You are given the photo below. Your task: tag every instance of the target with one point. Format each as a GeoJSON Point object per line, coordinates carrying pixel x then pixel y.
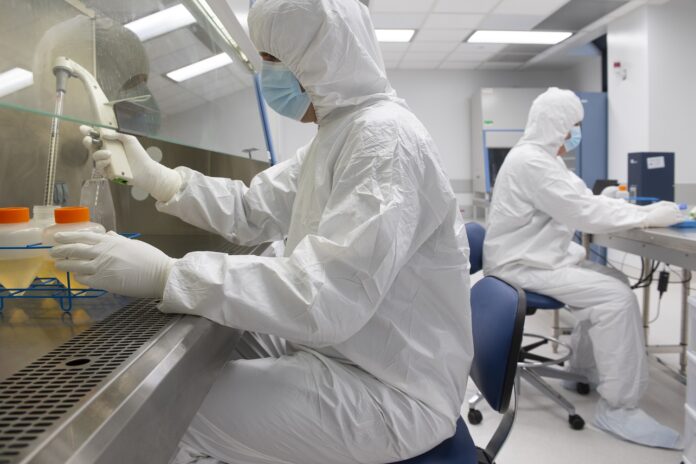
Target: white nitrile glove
{"type": "Point", "coordinates": [659, 204]}
{"type": "Point", "coordinates": [159, 181]}
{"type": "Point", "coordinates": [664, 216]}
{"type": "Point", "coordinates": [113, 263]}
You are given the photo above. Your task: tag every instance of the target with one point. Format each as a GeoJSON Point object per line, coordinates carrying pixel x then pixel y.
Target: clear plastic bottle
{"type": "Point", "coordinates": [96, 195]}
{"type": "Point", "coordinates": [622, 193]}
{"type": "Point", "coordinates": [69, 219]}
{"type": "Point", "coordinates": [18, 267]}
{"type": "Point", "coordinates": [43, 217]}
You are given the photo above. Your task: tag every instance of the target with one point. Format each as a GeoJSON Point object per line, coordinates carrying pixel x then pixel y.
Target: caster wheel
{"type": "Point", "coordinates": [583, 388]}
{"type": "Point", "coordinates": [576, 422]}
{"type": "Point", "coordinates": [475, 417]}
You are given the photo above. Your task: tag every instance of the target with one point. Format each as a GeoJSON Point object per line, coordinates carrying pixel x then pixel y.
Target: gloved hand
{"type": "Point", "coordinates": [159, 181]}
{"type": "Point", "coordinates": [659, 204]}
{"type": "Point", "coordinates": [113, 263]}
{"type": "Point", "coordinates": [663, 216]}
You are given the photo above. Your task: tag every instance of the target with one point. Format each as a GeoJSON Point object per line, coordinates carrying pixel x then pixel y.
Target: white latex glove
{"type": "Point", "coordinates": [113, 263]}
{"type": "Point", "coordinates": [159, 181]}
{"type": "Point", "coordinates": [664, 216]}
{"type": "Point", "coordinates": [659, 204]}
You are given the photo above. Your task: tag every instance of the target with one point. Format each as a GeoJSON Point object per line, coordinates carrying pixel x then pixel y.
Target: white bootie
{"type": "Point", "coordinates": [635, 425]}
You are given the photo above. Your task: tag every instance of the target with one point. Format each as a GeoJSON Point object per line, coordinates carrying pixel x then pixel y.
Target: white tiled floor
{"type": "Point", "coordinates": [542, 435]}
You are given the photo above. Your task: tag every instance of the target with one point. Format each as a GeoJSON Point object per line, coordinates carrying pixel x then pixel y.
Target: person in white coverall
{"type": "Point", "coordinates": [537, 206]}
{"type": "Point", "coordinates": [358, 340]}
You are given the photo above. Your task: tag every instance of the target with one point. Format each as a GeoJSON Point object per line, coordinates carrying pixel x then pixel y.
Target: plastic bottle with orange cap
{"type": "Point", "coordinates": [18, 267]}
{"type": "Point", "coordinates": [68, 219]}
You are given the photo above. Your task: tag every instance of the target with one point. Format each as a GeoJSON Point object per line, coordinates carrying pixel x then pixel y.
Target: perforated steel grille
{"type": "Point", "coordinates": [38, 396]}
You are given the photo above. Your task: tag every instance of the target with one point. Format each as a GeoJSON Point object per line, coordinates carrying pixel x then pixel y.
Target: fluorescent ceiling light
{"type": "Point", "coordinates": [200, 67]}
{"type": "Point", "coordinates": [519, 37]}
{"type": "Point", "coordinates": [15, 79]}
{"type": "Point", "coordinates": [395, 35]}
{"type": "Point", "coordinates": [161, 22]}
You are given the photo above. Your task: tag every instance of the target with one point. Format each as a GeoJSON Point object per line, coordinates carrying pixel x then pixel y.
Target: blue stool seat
{"type": "Point", "coordinates": [539, 301]}
{"type": "Point", "coordinates": [459, 449]}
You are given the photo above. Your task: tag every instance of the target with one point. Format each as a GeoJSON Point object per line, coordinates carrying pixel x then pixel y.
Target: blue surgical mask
{"type": "Point", "coordinates": [282, 91]}
{"type": "Point", "coordinates": [575, 138]}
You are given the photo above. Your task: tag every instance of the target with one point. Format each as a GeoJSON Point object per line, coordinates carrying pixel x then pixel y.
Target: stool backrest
{"type": "Point", "coordinates": [476, 234]}
{"type": "Point", "coordinates": [497, 311]}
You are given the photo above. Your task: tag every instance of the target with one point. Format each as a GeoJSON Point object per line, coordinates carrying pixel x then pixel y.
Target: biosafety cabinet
{"type": "Point", "coordinates": [498, 119]}
{"type": "Point", "coordinates": [113, 379]}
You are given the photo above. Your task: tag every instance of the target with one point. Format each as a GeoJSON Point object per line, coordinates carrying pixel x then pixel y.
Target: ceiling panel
{"type": "Point", "coordinates": [508, 22]}
{"type": "Point", "coordinates": [403, 6]}
{"type": "Point", "coordinates": [393, 47]}
{"type": "Point", "coordinates": [575, 15]}
{"type": "Point", "coordinates": [441, 35]}
{"type": "Point", "coordinates": [419, 64]}
{"type": "Point", "coordinates": [460, 64]}
{"type": "Point", "coordinates": [453, 21]}
{"type": "Point", "coordinates": [465, 6]}
{"type": "Point", "coordinates": [433, 46]}
{"type": "Point", "coordinates": [530, 7]}
{"type": "Point", "coordinates": [398, 20]}
{"type": "Point", "coordinates": [492, 66]}
{"type": "Point", "coordinates": [426, 56]}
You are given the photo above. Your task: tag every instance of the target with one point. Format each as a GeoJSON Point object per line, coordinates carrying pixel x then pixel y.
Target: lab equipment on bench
{"type": "Point", "coordinates": [64, 68]}
{"type": "Point", "coordinates": [96, 196]}
{"type": "Point", "coordinates": [651, 174]}
{"type": "Point", "coordinates": [18, 268]}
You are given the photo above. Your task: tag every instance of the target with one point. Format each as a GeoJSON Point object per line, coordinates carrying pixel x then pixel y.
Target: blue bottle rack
{"type": "Point", "coordinates": [50, 287]}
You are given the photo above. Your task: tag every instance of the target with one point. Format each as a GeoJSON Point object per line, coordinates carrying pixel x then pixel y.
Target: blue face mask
{"type": "Point", "coordinates": [282, 91]}
{"type": "Point", "coordinates": [575, 138]}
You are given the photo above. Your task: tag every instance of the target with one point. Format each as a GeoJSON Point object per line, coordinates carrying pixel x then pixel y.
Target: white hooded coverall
{"type": "Point", "coordinates": [537, 206]}
{"type": "Point", "coordinates": [371, 298]}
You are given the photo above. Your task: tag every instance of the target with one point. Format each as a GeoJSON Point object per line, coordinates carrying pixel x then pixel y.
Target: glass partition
{"type": "Point", "coordinates": [163, 69]}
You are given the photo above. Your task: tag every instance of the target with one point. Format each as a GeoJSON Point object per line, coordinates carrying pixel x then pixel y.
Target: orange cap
{"type": "Point", "coordinates": [71, 214]}
{"type": "Point", "coordinates": [622, 188]}
{"type": "Point", "coordinates": [14, 215]}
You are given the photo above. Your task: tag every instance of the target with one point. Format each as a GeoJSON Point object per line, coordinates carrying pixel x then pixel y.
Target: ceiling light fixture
{"type": "Point", "coordinates": [161, 22]}
{"type": "Point", "coordinates": [519, 37]}
{"type": "Point", "coordinates": [200, 67]}
{"type": "Point", "coordinates": [15, 79]}
{"type": "Point", "coordinates": [395, 35]}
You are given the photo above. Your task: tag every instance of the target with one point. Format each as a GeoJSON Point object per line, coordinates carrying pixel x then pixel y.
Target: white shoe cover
{"type": "Point", "coordinates": [635, 425]}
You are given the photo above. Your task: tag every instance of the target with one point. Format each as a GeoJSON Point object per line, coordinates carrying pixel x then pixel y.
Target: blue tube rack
{"type": "Point", "coordinates": [50, 287]}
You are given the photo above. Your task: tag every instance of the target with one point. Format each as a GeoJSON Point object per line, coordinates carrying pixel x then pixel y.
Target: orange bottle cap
{"type": "Point", "coordinates": [622, 188]}
{"type": "Point", "coordinates": [14, 215]}
{"type": "Point", "coordinates": [71, 214]}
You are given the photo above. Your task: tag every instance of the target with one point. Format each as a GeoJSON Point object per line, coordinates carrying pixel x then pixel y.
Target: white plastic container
{"type": "Point", "coordinates": [18, 267]}
{"type": "Point", "coordinates": [689, 434]}
{"type": "Point", "coordinates": [43, 217]}
{"type": "Point", "coordinates": [69, 219]}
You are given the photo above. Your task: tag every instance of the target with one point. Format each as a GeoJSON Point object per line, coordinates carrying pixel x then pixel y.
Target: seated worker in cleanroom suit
{"type": "Point", "coordinates": [358, 340]}
{"type": "Point", "coordinates": [537, 206]}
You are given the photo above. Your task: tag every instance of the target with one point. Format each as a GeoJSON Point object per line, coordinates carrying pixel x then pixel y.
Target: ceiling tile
{"type": "Point", "coordinates": [433, 46]}
{"type": "Point", "coordinates": [401, 6]}
{"type": "Point", "coordinates": [419, 65]}
{"type": "Point", "coordinates": [391, 64]}
{"type": "Point", "coordinates": [393, 47]}
{"type": "Point", "coordinates": [511, 22]}
{"type": "Point", "coordinates": [441, 35]}
{"type": "Point", "coordinates": [460, 64]}
{"type": "Point", "coordinates": [425, 56]}
{"type": "Point", "coordinates": [473, 52]}
{"type": "Point", "coordinates": [529, 7]}
{"type": "Point", "coordinates": [392, 56]}
{"type": "Point", "coordinates": [398, 20]}
{"type": "Point", "coordinates": [464, 6]}
{"type": "Point", "coordinates": [453, 21]}
{"type": "Point", "coordinates": [500, 66]}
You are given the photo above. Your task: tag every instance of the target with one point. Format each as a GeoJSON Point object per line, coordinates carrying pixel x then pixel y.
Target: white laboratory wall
{"type": "Point", "coordinates": [651, 105]}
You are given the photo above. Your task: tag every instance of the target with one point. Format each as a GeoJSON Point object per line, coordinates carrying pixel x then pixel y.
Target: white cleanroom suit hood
{"type": "Point", "coordinates": [372, 294]}
{"type": "Point", "coordinates": [537, 206]}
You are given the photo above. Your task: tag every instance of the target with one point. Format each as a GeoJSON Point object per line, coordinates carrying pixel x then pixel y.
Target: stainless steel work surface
{"type": "Point", "coordinates": [674, 246]}
{"type": "Point", "coordinates": [116, 381]}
